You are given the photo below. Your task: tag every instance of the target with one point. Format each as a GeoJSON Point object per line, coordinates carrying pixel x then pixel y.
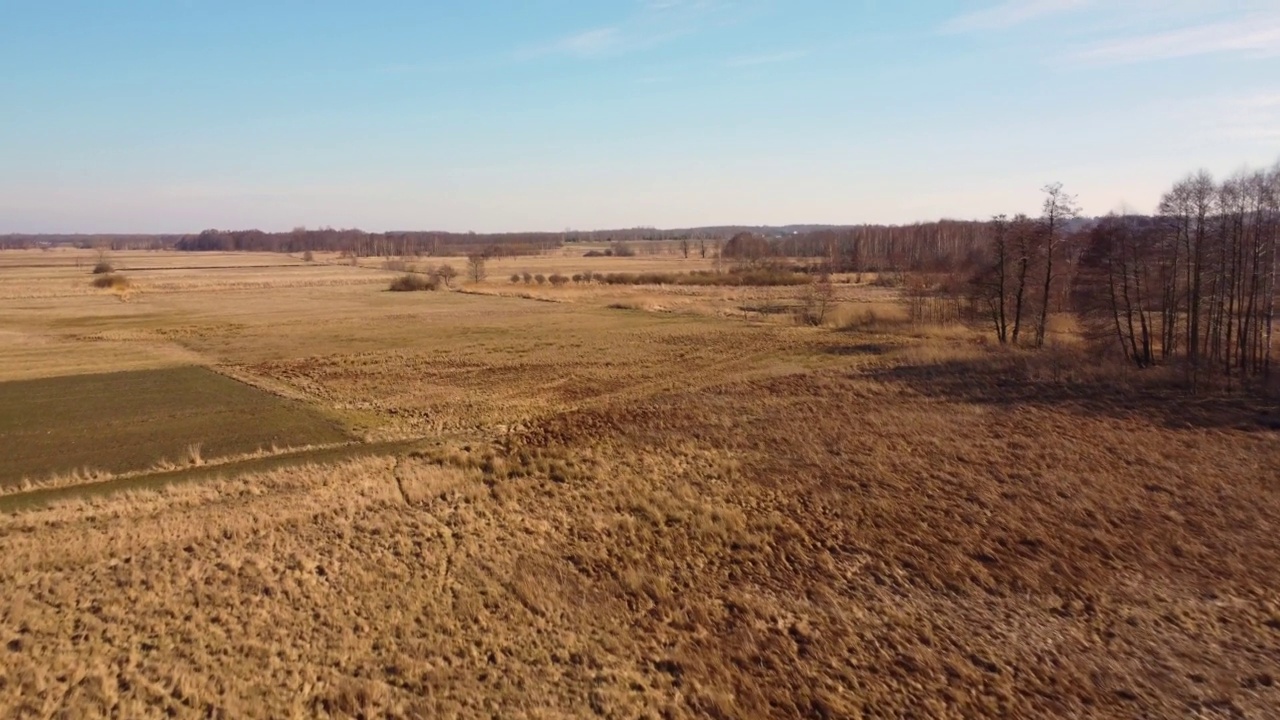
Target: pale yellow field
{"type": "Point", "coordinates": [634, 502]}
{"type": "Point", "coordinates": [567, 260]}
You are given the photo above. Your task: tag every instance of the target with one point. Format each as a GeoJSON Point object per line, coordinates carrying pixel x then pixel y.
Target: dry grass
{"type": "Point", "coordinates": [567, 261]}
{"type": "Point", "coordinates": [692, 513]}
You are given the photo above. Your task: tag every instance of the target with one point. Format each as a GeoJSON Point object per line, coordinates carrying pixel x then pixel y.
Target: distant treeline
{"type": "Point", "coordinates": [363, 244]}
{"type": "Point", "coordinates": [96, 240]}
{"type": "Point", "coordinates": [921, 247]}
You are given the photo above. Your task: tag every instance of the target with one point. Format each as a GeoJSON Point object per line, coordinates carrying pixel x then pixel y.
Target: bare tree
{"type": "Point", "coordinates": [1114, 291]}
{"type": "Point", "coordinates": [475, 267]}
{"type": "Point", "coordinates": [992, 283]}
{"type": "Point", "coordinates": [1024, 234]}
{"type": "Point", "coordinates": [818, 299]}
{"type": "Point", "coordinates": [1059, 207]}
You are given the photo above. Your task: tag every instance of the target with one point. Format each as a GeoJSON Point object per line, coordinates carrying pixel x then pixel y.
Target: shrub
{"type": "Point", "coordinates": [413, 283]}
{"type": "Point", "coordinates": [594, 253]}
{"type": "Point", "coordinates": [308, 256]}
{"type": "Point", "coordinates": [446, 273]}
{"type": "Point", "coordinates": [111, 281]}
{"type": "Point", "coordinates": [526, 277]}
{"type": "Point", "coordinates": [623, 250]}
{"type": "Point", "coordinates": [744, 278]}
{"type": "Point", "coordinates": [103, 267]}
{"type": "Point", "coordinates": [558, 280]}
{"type": "Point", "coordinates": [515, 278]}
{"type": "Point", "coordinates": [540, 278]}
{"type": "Point", "coordinates": [577, 277]}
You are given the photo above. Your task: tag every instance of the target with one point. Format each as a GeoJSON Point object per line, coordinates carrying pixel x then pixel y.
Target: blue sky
{"type": "Point", "coordinates": [177, 115]}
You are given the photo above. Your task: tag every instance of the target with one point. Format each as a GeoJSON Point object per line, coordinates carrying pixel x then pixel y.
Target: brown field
{"type": "Point", "coordinates": [632, 502]}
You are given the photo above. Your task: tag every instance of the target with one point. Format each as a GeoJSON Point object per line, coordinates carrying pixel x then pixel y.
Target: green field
{"type": "Point", "coordinates": [131, 421]}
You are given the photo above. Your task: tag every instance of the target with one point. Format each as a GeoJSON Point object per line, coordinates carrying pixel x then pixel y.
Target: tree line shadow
{"type": "Point", "coordinates": [1146, 396]}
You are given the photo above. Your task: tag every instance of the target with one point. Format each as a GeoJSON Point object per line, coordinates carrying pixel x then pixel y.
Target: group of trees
{"type": "Point", "coordinates": [1197, 283]}
{"type": "Point", "coordinates": [920, 247]}
{"type": "Point", "coordinates": [1194, 285]}
{"type": "Point", "coordinates": [1014, 285]}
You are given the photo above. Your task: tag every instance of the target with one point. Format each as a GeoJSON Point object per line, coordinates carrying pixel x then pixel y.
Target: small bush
{"type": "Point", "coordinates": [413, 283]}
{"type": "Point", "coordinates": [111, 281]}
{"type": "Point", "coordinates": [888, 280]}
{"type": "Point", "coordinates": [594, 253]}
{"type": "Point", "coordinates": [528, 278]}
{"type": "Point", "coordinates": [745, 278]}
{"type": "Point", "coordinates": [558, 280]}
{"type": "Point", "coordinates": [540, 278]}
{"type": "Point", "coordinates": [623, 250]}
{"type": "Point", "coordinates": [577, 277]}
{"type": "Point", "coordinates": [515, 278]}
{"type": "Point", "coordinates": [308, 256]}
{"type": "Point", "coordinates": [103, 267]}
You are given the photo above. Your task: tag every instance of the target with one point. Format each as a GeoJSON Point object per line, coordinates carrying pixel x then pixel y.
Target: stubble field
{"type": "Point", "coordinates": [626, 502]}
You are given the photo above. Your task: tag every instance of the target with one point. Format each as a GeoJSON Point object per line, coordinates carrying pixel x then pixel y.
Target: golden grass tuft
{"type": "Point", "coordinates": [194, 457]}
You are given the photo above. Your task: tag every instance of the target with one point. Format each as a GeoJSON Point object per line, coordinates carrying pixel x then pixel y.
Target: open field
{"type": "Point", "coordinates": [616, 501]}
{"type": "Point", "coordinates": [33, 274]}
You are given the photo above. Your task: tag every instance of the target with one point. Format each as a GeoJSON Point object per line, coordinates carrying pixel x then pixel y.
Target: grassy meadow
{"type": "Point", "coordinates": [511, 500]}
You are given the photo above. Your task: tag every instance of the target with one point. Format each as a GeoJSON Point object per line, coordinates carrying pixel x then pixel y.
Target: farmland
{"type": "Point", "coordinates": [126, 421]}
{"type": "Point", "coordinates": [631, 501]}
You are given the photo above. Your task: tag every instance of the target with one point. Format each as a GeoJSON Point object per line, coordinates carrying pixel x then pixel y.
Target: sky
{"type": "Point", "coordinates": [504, 115]}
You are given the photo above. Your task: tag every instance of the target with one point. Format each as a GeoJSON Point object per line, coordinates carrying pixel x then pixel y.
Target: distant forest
{"type": "Point", "coordinates": [922, 246]}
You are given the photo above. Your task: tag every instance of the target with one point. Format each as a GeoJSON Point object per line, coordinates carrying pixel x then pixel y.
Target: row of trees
{"type": "Point", "coordinates": [922, 247]}
{"type": "Point", "coordinates": [357, 243]}
{"type": "Point", "coordinates": [1195, 284]}
{"type": "Point", "coordinates": [918, 247]}
{"type": "Point", "coordinates": [20, 241]}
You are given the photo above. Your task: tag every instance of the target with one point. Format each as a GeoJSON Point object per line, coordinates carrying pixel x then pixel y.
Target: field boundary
{"type": "Point", "coordinates": [40, 497]}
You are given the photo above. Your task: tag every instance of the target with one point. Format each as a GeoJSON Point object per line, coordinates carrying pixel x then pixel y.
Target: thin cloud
{"type": "Point", "coordinates": [1009, 14]}
{"type": "Point", "coordinates": [766, 59]}
{"type": "Point", "coordinates": [588, 43]}
{"type": "Point", "coordinates": [653, 22]}
{"type": "Point", "coordinates": [1257, 35]}
{"type": "Point", "coordinates": [1250, 117]}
